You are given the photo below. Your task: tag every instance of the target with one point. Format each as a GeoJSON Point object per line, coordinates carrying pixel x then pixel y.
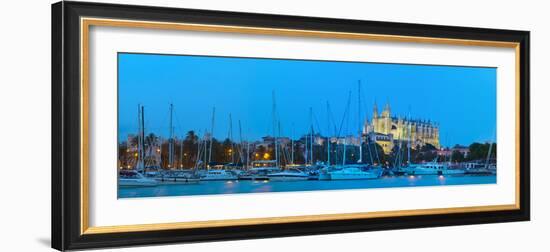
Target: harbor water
{"type": "Point", "coordinates": [264, 186]}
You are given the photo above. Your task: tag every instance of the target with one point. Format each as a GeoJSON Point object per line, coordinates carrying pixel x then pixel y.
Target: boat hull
{"type": "Point", "coordinates": [287, 178]}
{"type": "Point", "coordinates": [177, 180]}
{"type": "Point", "coordinates": [453, 172]}
{"type": "Point", "coordinates": [433, 172]}
{"type": "Point", "coordinates": [219, 178]}
{"type": "Point", "coordinates": [137, 183]}
{"type": "Point", "coordinates": [218, 175]}
{"type": "Point", "coordinates": [253, 177]}
{"type": "Point", "coordinates": [352, 176]}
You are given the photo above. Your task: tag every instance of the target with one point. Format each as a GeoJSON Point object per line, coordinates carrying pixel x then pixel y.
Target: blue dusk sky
{"type": "Point", "coordinates": [462, 100]}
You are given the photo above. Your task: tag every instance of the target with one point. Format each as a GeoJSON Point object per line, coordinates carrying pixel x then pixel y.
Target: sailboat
{"type": "Point", "coordinates": [348, 171]}
{"type": "Point", "coordinates": [212, 175]}
{"type": "Point", "coordinates": [431, 168]}
{"type": "Point", "coordinates": [479, 168]}
{"type": "Point", "coordinates": [171, 175]}
{"type": "Point", "coordinates": [288, 175]}
{"type": "Point", "coordinates": [261, 169]}
{"type": "Point", "coordinates": [219, 173]}
{"type": "Point", "coordinates": [134, 178]}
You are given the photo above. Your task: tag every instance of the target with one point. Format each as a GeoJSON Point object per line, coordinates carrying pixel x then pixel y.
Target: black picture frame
{"type": "Point", "coordinates": [66, 114]}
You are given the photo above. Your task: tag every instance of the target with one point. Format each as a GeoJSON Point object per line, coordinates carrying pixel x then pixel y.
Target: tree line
{"type": "Point", "coordinates": [185, 152]}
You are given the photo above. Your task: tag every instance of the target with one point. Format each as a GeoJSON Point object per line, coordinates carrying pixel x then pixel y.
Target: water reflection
{"type": "Point", "coordinates": [247, 186]}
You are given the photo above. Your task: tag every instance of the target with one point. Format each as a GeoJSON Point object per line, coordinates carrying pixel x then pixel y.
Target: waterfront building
{"type": "Point", "coordinates": [446, 152]}
{"type": "Point", "coordinates": [269, 140]}
{"type": "Point", "coordinates": [347, 140]}
{"type": "Point", "coordinates": [388, 130]}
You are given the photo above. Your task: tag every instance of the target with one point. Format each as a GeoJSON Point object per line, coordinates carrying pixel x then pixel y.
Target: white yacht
{"type": "Point", "coordinates": [213, 175]}
{"type": "Point", "coordinates": [177, 177]}
{"type": "Point", "coordinates": [288, 175]}
{"type": "Point", "coordinates": [132, 178]}
{"type": "Point", "coordinates": [260, 173]}
{"type": "Point", "coordinates": [431, 168]}
{"type": "Point", "coordinates": [348, 173]}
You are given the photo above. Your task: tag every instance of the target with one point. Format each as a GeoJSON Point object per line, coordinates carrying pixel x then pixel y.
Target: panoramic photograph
{"type": "Point", "coordinates": [203, 125]}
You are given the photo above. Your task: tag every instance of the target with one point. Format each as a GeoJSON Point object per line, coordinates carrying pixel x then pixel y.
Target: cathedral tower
{"type": "Point", "coordinates": [375, 111]}
{"type": "Point", "coordinates": [386, 130]}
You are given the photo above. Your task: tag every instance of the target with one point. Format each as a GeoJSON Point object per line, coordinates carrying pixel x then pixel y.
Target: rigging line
{"type": "Point", "coordinates": [286, 152]}
{"type": "Point", "coordinates": [178, 127]}
{"type": "Point", "coordinates": [240, 145]}
{"type": "Point", "coordinates": [345, 114]}
{"type": "Point", "coordinates": [331, 118]}
{"type": "Point", "coordinates": [280, 134]}
{"type": "Point", "coordinates": [163, 122]}
{"type": "Point", "coordinates": [364, 101]}
{"type": "Point", "coordinates": [316, 123]}
{"type": "Point", "coordinates": [181, 131]}
{"type": "Point", "coordinates": [376, 152]}
{"type": "Point", "coordinates": [489, 152]}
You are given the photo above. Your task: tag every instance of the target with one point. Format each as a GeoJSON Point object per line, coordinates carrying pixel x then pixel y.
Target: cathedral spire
{"type": "Point", "coordinates": [387, 111]}
{"type": "Point", "coordinates": [375, 110]}
{"type": "Point", "coordinates": [387, 107]}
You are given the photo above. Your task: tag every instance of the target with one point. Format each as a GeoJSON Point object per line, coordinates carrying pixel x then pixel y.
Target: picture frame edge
{"type": "Point", "coordinates": [65, 203]}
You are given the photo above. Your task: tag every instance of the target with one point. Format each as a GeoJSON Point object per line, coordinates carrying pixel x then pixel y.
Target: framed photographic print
{"type": "Point", "coordinates": [180, 125]}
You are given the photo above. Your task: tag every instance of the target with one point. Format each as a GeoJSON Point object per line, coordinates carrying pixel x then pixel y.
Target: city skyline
{"type": "Point", "coordinates": [244, 86]}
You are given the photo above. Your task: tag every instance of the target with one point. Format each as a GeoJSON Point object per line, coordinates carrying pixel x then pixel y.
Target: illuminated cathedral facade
{"type": "Point", "coordinates": [387, 130]}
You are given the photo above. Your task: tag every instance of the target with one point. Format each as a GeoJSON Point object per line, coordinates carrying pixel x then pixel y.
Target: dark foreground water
{"type": "Point", "coordinates": [247, 186]}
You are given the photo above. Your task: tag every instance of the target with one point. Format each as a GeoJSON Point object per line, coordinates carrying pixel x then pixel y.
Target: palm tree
{"type": "Point", "coordinates": [191, 137]}
{"type": "Point", "coordinates": [151, 139]}
{"type": "Point", "coordinates": [133, 140]}
{"type": "Point", "coordinates": [190, 148]}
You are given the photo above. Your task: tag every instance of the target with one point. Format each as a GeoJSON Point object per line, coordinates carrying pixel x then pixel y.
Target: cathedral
{"type": "Point", "coordinates": [388, 130]}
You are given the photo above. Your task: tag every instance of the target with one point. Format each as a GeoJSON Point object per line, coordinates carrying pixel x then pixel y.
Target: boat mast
{"type": "Point", "coordinates": [409, 142]}
{"type": "Point", "coordinates": [138, 137]}
{"type": "Point", "coordinates": [346, 114]}
{"type": "Point", "coordinates": [205, 136]}
{"type": "Point", "coordinates": [369, 150]}
{"type": "Point", "coordinates": [141, 135]}
{"type": "Point", "coordinates": [306, 153]}
{"type": "Point", "coordinates": [328, 134]}
{"type": "Point", "coordinates": [344, 155]}
{"type": "Point", "coordinates": [181, 153]}
{"type": "Point", "coordinates": [397, 162]}
{"type": "Point", "coordinates": [211, 137]}
{"type": "Point", "coordinates": [171, 139]}
{"type": "Point", "coordinates": [292, 145]}
{"type": "Point", "coordinates": [160, 151]}
{"type": "Point", "coordinates": [279, 135]}
{"type": "Point", "coordinates": [241, 156]}
{"type": "Point", "coordinates": [198, 151]}
{"type": "Point", "coordinates": [247, 153]}
{"type": "Point", "coordinates": [360, 160]}
{"type": "Point", "coordinates": [489, 155]}
{"type": "Point", "coordinates": [449, 149]}
{"type": "Point", "coordinates": [311, 135]}
{"type": "Point", "coordinates": [274, 121]}
{"type": "Point", "coordinates": [231, 138]}
{"type": "Point", "coordinates": [368, 139]}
